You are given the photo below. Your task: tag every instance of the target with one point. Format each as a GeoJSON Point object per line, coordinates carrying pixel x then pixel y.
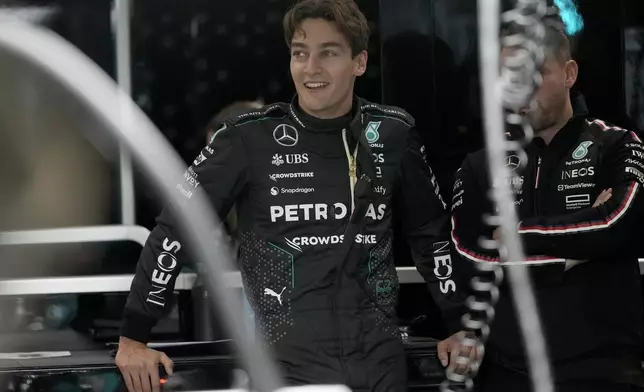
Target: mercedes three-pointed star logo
{"type": "Point", "coordinates": [285, 135]}
{"type": "Point", "coordinates": [513, 162]}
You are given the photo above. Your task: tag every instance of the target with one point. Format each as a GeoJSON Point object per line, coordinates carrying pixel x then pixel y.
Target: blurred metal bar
{"type": "Point", "coordinates": [121, 29]}
{"type": "Point", "coordinates": [72, 235]}
{"type": "Point", "coordinates": [122, 283]}
{"type": "Point", "coordinates": [89, 284]}
{"type": "Point", "coordinates": [56, 58]}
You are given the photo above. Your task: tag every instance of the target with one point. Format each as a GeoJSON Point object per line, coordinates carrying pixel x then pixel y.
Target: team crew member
{"type": "Point", "coordinates": [316, 183]}
{"type": "Point", "coordinates": [591, 307]}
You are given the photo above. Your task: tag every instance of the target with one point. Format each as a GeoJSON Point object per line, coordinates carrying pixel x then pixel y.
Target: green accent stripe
{"type": "Point", "coordinates": [292, 262]}
{"type": "Point", "coordinates": [390, 117]}
{"type": "Point", "coordinates": [252, 120]}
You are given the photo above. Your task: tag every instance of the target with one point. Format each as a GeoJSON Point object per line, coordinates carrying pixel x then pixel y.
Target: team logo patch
{"type": "Point", "coordinates": [581, 150]}
{"type": "Point", "coordinates": [512, 161]}
{"type": "Point", "coordinates": [371, 133]}
{"type": "Point", "coordinates": [285, 135]}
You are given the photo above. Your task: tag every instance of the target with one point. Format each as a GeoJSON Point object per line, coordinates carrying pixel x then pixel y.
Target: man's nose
{"type": "Point", "coordinates": [313, 66]}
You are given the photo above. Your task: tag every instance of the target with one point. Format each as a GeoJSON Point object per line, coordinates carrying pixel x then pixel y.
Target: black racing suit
{"type": "Point", "coordinates": [328, 318]}
{"type": "Point", "coordinates": [583, 259]}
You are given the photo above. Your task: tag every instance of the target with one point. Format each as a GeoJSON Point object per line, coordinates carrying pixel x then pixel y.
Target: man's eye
{"type": "Point", "coordinates": [328, 53]}
{"type": "Point", "coordinates": [298, 53]}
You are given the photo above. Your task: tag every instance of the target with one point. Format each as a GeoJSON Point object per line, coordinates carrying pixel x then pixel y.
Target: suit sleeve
{"type": "Point", "coordinates": [426, 228]}
{"type": "Point", "coordinates": [604, 230]}
{"type": "Point", "coordinates": [470, 203]}
{"type": "Point", "coordinates": [221, 170]}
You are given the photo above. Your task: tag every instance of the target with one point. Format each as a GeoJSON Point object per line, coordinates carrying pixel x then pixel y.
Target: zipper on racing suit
{"type": "Point", "coordinates": [353, 169]}
{"type": "Point", "coordinates": [353, 179]}
{"type": "Point", "coordinates": [536, 187]}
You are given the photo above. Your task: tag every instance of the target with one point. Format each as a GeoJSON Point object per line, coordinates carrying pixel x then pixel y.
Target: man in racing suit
{"type": "Point", "coordinates": [316, 183]}
{"type": "Point", "coordinates": [582, 255]}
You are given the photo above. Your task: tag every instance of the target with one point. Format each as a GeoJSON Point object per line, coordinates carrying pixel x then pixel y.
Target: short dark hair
{"type": "Point", "coordinates": [344, 13]}
{"type": "Point", "coordinates": [556, 42]}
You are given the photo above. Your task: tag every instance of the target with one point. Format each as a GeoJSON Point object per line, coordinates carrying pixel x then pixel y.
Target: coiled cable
{"type": "Point", "coordinates": [513, 89]}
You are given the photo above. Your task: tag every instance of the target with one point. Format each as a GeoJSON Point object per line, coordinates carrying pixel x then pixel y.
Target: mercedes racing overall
{"type": "Point", "coordinates": [297, 181]}
{"type": "Point", "coordinates": [583, 260]}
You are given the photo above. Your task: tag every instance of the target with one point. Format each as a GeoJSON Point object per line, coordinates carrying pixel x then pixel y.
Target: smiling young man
{"type": "Point", "coordinates": [317, 183]}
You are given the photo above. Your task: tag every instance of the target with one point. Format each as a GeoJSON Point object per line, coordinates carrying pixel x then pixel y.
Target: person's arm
{"type": "Point", "coordinates": [221, 170]}
{"type": "Point", "coordinates": [612, 227]}
{"type": "Point", "coordinates": [470, 203]}
{"type": "Point", "coordinates": [425, 224]}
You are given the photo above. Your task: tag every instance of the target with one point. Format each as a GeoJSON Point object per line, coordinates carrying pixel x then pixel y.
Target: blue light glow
{"type": "Point", "coordinates": [570, 16]}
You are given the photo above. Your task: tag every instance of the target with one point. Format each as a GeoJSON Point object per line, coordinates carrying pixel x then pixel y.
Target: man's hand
{"type": "Point", "coordinates": [139, 365]}
{"type": "Point", "coordinates": [449, 349]}
{"type": "Point", "coordinates": [603, 197]}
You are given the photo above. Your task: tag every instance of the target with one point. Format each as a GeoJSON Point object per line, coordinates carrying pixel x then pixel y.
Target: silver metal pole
{"type": "Point", "coordinates": [56, 58]}
{"type": "Point", "coordinates": [121, 29]}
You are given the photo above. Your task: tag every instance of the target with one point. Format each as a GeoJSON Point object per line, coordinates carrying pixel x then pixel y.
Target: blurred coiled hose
{"type": "Point", "coordinates": [513, 90]}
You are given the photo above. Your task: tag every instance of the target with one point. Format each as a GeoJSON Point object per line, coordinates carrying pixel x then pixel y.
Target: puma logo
{"type": "Point", "coordinates": [270, 292]}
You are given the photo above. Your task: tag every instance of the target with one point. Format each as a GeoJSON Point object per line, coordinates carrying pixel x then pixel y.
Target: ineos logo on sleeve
{"type": "Point", "coordinates": [164, 270]}
{"type": "Point", "coordinates": [285, 135]}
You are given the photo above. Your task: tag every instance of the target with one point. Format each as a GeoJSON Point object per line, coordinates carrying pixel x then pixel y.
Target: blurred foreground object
{"type": "Point", "coordinates": [92, 95]}
{"type": "Point", "coordinates": [52, 176]}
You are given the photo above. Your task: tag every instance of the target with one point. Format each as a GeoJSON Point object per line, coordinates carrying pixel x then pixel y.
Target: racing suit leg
{"type": "Point", "coordinates": [382, 375]}
{"type": "Point", "coordinates": [392, 378]}
{"type": "Point", "coordinates": [379, 365]}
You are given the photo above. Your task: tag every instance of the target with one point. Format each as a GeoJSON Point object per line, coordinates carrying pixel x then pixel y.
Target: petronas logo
{"type": "Point", "coordinates": [581, 150]}
{"type": "Point", "coordinates": [371, 133]}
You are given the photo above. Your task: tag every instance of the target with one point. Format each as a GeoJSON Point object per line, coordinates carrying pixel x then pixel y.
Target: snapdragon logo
{"type": "Point", "coordinates": [166, 264]}
{"type": "Point", "coordinates": [303, 191]}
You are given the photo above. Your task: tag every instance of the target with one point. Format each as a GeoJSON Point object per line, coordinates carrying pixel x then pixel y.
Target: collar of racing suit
{"type": "Point", "coordinates": [570, 132]}
{"type": "Point", "coordinates": [308, 121]}
{"type": "Point", "coordinates": [580, 111]}
{"type": "Point", "coordinates": [579, 107]}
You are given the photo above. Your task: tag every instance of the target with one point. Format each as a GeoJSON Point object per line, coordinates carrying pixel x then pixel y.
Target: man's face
{"type": "Point", "coordinates": [549, 102]}
{"type": "Point", "coordinates": [324, 69]}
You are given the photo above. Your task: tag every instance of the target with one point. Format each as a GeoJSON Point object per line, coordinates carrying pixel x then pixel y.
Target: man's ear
{"type": "Point", "coordinates": [361, 63]}
{"type": "Point", "coordinates": [571, 70]}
